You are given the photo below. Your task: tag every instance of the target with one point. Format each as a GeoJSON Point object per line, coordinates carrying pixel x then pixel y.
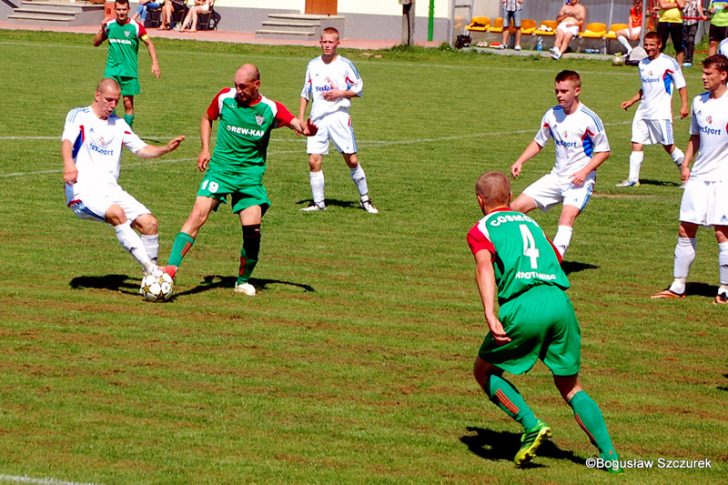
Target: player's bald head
{"type": "Point", "coordinates": [248, 72]}
{"type": "Point", "coordinates": [494, 189]}
{"type": "Point", "coordinates": [107, 85]}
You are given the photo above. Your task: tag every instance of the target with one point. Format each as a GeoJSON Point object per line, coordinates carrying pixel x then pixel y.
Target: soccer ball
{"type": "Point", "coordinates": [618, 60]}
{"type": "Point", "coordinates": [157, 286]}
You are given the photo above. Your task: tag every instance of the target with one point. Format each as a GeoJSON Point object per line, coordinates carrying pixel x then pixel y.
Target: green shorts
{"type": "Point", "coordinates": [542, 325]}
{"type": "Point", "coordinates": [242, 194]}
{"type": "Point", "coordinates": [129, 85]}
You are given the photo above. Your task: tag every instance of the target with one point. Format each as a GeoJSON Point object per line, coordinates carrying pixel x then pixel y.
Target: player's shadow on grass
{"type": "Point", "coordinates": [347, 204]}
{"type": "Point", "coordinates": [503, 445]}
{"type": "Point", "coordinates": [575, 266]}
{"type": "Point", "coordinates": [211, 282]}
{"type": "Point", "coordinates": [112, 282]}
{"type": "Point", "coordinates": [701, 289]}
{"type": "Point", "coordinates": [659, 183]}
{"type": "Point", "coordinates": [723, 388]}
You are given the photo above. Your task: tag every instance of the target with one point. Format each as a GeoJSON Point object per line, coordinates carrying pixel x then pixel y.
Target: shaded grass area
{"type": "Point", "coordinates": [353, 363]}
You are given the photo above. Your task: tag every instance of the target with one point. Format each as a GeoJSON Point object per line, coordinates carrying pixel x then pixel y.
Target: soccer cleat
{"type": "Point", "coordinates": [314, 207]}
{"type": "Point", "coordinates": [721, 299]}
{"type": "Point", "coordinates": [368, 206]}
{"type": "Point", "coordinates": [667, 294]}
{"type": "Point", "coordinates": [628, 183]}
{"type": "Point", "coordinates": [170, 270]}
{"type": "Point", "coordinates": [530, 441]}
{"type": "Point", "coordinates": [245, 288]}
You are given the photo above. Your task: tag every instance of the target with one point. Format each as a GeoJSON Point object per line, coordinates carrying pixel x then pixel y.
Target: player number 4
{"type": "Point", "coordinates": [529, 246]}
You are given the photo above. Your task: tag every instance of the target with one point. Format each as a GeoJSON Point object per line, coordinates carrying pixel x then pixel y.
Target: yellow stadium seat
{"type": "Point", "coordinates": [594, 30]}
{"type": "Point", "coordinates": [550, 24]}
{"type": "Point", "coordinates": [497, 26]}
{"type": "Point", "coordinates": [479, 24]}
{"type": "Point", "coordinates": [613, 29]}
{"type": "Point", "coordinates": [528, 26]}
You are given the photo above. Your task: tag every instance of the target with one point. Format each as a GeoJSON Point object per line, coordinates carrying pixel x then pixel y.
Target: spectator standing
{"type": "Point", "coordinates": [692, 13]}
{"type": "Point", "coordinates": [670, 25]}
{"type": "Point", "coordinates": [718, 10]}
{"type": "Point", "coordinates": [512, 12]}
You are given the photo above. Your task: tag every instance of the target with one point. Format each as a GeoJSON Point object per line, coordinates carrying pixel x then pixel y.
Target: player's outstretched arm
{"type": "Point", "coordinates": [156, 151]}
{"type": "Point", "coordinates": [306, 128]}
{"type": "Point", "coordinates": [485, 278]}
{"type": "Point", "coordinates": [531, 151]}
{"type": "Point", "coordinates": [70, 172]}
{"type": "Point", "coordinates": [626, 104]}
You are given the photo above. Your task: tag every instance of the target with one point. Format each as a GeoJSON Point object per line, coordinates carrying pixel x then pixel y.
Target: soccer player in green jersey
{"type": "Point", "coordinates": [236, 167]}
{"type": "Point", "coordinates": [519, 267]}
{"type": "Point", "coordinates": [122, 63]}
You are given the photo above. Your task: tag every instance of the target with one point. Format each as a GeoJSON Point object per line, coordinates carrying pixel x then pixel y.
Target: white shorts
{"type": "Point", "coordinates": [337, 128]}
{"type": "Point", "coordinates": [652, 132]}
{"type": "Point", "coordinates": [573, 30]}
{"type": "Point", "coordinates": [93, 203]}
{"type": "Point", "coordinates": [705, 203]}
{"type": "Point", "coordinates": [550, 190]}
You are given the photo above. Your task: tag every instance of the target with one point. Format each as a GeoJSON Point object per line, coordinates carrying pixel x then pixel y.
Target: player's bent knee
{"type": "Point", "coordinates": [146, 224]}
{"type": "Point", "coordinates": [115, 215]}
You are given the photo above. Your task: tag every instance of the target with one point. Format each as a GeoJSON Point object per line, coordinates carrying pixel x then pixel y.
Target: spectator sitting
{"type": "Point", "coordinates": [569, 20]}
{"type": "Point", "coordinates": [143, 9]}
{"type": "Point", "coordinates": [189, 24]}
{"type": "Point", "coordinates": [635, 27]}
{"type": "Point", "coordinates": [168, 10]}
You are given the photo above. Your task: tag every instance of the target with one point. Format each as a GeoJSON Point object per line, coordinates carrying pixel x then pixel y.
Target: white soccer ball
{"type": "Point", "coordinates": [618, 60]}
{"type": "Point", "coordinates": [157, 286]}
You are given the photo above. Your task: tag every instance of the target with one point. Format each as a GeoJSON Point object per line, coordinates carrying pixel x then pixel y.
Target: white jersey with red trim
{"type": "Point", "coordinates": [660, 78]}
{"type": "Point", "coordinates": [97, 145]}
{"type": "Point", "coordinates": [321, 77]}
{"type": "Point", "coordinates": [578, 136]}
{"type": "Point", "coordinates": [709, 119]}
{"type": "Point", "coordinates": [723, 47]}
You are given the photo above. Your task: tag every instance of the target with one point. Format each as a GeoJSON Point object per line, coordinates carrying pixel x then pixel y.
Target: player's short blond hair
{"type": "Point", "coordinates": [494, 188]}
{"type": "Point", "coordinates": [331, 31]}
{"type": "Point", "coordinates": [567, 75]}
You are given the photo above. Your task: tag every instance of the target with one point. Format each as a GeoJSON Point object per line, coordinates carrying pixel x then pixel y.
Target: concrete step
{"type": "Point", "coordinates": [309, 17]}
{"type": "Point", "coordinates": [311, 27]}
{"type": "Point", "coordinates": [285, 34]}
{"type": "Point", "coordinates": [43, 16]}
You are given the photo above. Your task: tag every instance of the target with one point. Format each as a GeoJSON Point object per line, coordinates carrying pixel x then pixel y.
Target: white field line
{"type": "Point", "coordinates": [372, 144]}
{"type": "Point", "coordinates": [37, 481]}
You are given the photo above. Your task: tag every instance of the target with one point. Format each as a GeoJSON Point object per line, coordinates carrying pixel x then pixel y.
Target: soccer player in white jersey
{"type": "Point", "coordinates": [705, 200]}
{"type": "Point", "coordinates": [91, 146]}
{"type": "Point", "coordinates": [581, 147]}
{"type": "Point", "coordinates": [331, 82]}
{"type": "Point", "coordinates": [660, 75]}
{"type": "Point", "coordinates": [723, 47]}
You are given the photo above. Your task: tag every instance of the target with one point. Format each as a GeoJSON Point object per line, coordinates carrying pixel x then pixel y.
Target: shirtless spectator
{"type": "Point", "coordinates": [569, 21]}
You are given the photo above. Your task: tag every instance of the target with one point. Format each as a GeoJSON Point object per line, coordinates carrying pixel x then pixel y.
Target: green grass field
{"type": "Point", "coordinates": [353, 364]}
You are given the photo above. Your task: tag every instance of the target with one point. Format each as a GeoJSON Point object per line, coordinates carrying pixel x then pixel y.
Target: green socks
{"type": "Point", "coordinates": [504, 395]}
{"type": "Point", "coordinates": [590, 418]}
{"type": "Point", "coordinates": [182, 243]}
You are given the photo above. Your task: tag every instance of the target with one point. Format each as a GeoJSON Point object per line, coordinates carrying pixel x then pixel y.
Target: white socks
{"type": "Point", "coordinates": [677, 156]}
{"type": "Point", "coordinates": [635, 163]}
{"type": "Point", "coordinates": [723, 266]}
{"type": "Point", "coordinates": [360, 180]}
{"type": "Point", "coordinates": [563, 238]}
{"type": "Point", "coordinates": [151, 245]}
{"type": "Point", "coordinates": [625, 43]}
{"type": "Point", "coordinates": [131, 241]}
{"type": "Point", "coordinates": [684, 257]}
{"type": "Point", "coordinates": [317, 187]}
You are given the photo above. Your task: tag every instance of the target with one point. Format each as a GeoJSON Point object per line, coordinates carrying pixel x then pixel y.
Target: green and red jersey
{"type": "Point", "coordinates": [243, 133]}
{"type": "Point", "coordinates": [123, 58]}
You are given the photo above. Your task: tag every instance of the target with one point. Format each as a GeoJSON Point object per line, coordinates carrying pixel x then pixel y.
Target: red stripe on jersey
{"type": "Point", "coordinates": [478, 242]}
{"type": "Point", "coordinates": [283, 116]}
{"type": "Point", "coordinates": [213, 111]}
{"type": "Point", "coordinates": [83, 133]}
